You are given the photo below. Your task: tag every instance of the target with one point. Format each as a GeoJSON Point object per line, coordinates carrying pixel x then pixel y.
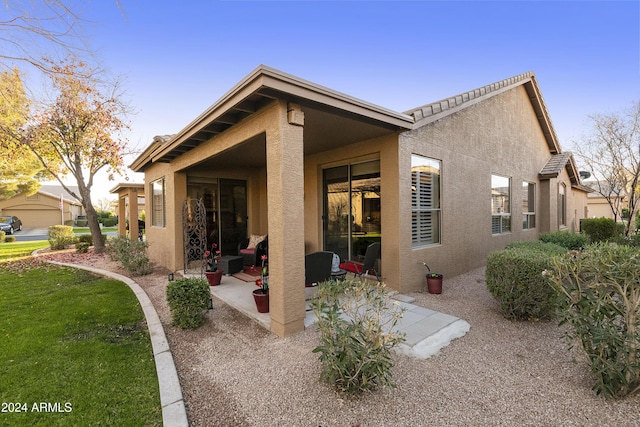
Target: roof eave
{"type": "Point", "coordinates": [274, 83]}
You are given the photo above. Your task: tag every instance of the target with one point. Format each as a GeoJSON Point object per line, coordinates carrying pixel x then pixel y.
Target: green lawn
{"type": "Point", "coordinates": [86, 230]}
{"type": "Point", "coordinates": [75, 350]}
{"type": "Point", "coordinates": [20, 249]}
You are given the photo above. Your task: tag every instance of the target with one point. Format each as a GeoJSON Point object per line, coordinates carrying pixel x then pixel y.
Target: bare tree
{"type": "Point", "coordinates": [31, 31]}
{"type": "Point", "coordinates": [611, 152]}
{"type": "Point", "coordinates": [80, 133]}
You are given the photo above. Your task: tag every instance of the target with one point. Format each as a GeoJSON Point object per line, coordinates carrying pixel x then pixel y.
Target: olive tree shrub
{"type": "Point", "coordinates": [357, 324]}
{"type": "Point", "coordinates": [602, 307]}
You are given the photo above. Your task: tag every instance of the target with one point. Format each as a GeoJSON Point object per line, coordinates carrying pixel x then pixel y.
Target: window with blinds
{"type": "Point", "coordinates": [158, 213]}
{"type": "Point", "coordinates": [425, 201]}
{"type": "Point", "coordinates": [500, 204]}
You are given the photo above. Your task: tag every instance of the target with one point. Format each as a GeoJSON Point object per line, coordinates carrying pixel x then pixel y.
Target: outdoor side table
{"type": "Point", "coordinates": [231, 264]}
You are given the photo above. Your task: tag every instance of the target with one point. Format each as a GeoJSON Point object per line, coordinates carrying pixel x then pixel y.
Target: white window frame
{"type": "Point", "coordinates": [500, 204]}
{"type": "Point", "coordinates": [426, 201]}
{"type": "Point", "coordinates": [528, 205]}
{"type": "Point", "coordinates": [158, 203]}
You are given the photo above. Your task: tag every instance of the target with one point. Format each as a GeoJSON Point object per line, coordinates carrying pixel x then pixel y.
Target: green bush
{"type": "Point", "coordinates": [69, 222]}
{"type": "Point", "coordinates": [86, 238]}
{"type": "Point", "coordinates": [537, 245]}
{"type": "Point", "coordinates": [514, 278]}
{"type": "Point", "coordinates": [2, 236]}
{"type": "Point", "coordinates": [566, 239]}
{"type": "Point", "coordinates": [110, 222]}
{"type": "Point", "coordinates": [354, 319]}
{"type": "Point", "coordinates": [10, 239]}
{"type": "Point", "coordinates": [599, 229]}
{"type": "Point", "coordinates": [189, 299]}
{"type": "Point", "coordinates": [602, 306]}
{"type": "Point", "coordinates": [81, 222]}
{"type": "Point", "coordinates": [61, 237]}
{"type": "Point", "coordinates": [131, 254]}
{"type": "Point", "coordinates": [82, 247]}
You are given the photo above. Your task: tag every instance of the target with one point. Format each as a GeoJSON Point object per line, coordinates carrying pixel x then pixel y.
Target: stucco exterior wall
{"type": "Point", "coordinates": [500, 135]}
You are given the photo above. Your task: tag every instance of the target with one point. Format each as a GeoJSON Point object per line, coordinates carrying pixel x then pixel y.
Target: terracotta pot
{"type": "Point", "coordinates": [262, 300]}
{"type": "Point", "coordinates": [214, 277]}
{"type": "Point", "coordinates": [434, 284]}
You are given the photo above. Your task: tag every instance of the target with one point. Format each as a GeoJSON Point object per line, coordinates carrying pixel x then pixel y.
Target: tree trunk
{"type": "Point", "coordinates": [94, 226]}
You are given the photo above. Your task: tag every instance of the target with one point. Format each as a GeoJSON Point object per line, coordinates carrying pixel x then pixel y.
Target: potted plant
{"type": "Point", "coordinates": [434, 281]}
{"type": "Point", "coordinates": [211, 259]}
{"type": "Point", "coordinates": [261, 295]}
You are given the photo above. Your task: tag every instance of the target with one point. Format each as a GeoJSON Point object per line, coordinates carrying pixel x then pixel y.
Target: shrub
{"type": "Point", "coordinates": [10, 239]}
{"type": "Point", "coordinates": [86, 238]}
{"type": "Point", "coordinates": [566, 239]}
{"type": "Point", "coordinates": [189, 300]}
{"type": "Point", "coordinates": [82, 247]}
{"type": "Point", "coordinates": [514, 278]}
{"type": "Point", "coordinates": [82, 222]}
{"type": "Point", "coordinates": [2, 236]}
{"type": "Point", "coordinates": [110, 222]}
{"type": "Point", "coordinates": [354, 318]}
{"type": "Point", "coordinates": [599, 229]}
{"type": "Point", "coordinates": [602, 306]}
{"type": "Point", "coordinates": [61, 237]}
{"type": "Point", "coordinates": [131, 254]}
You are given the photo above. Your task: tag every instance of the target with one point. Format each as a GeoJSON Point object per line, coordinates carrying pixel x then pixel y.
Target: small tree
{"type": "Point", "coordinates": [19, 167]}
{"type": "Point", "coordinates": [612, 154]}
{"type": "Point", "coordinates": [80, 132]}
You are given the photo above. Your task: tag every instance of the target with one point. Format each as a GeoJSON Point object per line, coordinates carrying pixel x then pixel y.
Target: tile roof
{"type": "Point", "coordinates": [467, 98]}
{"type": "Point", "coordinates": [555, 164]}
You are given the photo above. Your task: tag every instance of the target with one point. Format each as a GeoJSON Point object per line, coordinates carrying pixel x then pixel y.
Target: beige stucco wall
{"type": "Point", "coordinates": [500, 136]}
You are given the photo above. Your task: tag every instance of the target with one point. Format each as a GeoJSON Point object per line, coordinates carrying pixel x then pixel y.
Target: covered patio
{"type": "Point", "coordinates": [277, 133]}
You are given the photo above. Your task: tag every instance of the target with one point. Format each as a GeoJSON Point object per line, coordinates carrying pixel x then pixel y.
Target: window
{"type": "Point", "coordinates": [562, 205]}
{"type": "Point", "coordinates": [500, 204]}
{"type": "Point", "coordinates": [158, 203]}
{"type": "Point", "coordinates": [425, 201]}
{"type": "Point", "coordinates": [528, 205]}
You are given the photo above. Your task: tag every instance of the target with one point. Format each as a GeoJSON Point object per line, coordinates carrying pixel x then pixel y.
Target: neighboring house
{"type": "Point", "coordinates": [130, 203]}
{"type": "Point", "coordinates": [315, 169]}
{"type": "Point", "coordinates": [42, 209]}
{"type": "Point", "coordinates": [599, 205]}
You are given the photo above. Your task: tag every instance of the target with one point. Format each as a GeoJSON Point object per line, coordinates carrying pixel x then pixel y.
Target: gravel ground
{"type": "Point", "coordinates": [502, 373]}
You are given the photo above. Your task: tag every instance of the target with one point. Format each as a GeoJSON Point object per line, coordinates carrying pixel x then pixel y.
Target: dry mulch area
{"type": "Point", "coordinates": [235, 373]}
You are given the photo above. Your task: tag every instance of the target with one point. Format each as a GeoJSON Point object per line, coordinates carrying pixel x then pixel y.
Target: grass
{"type": "Point", "coordinates": [78, 344]}
{"type": "Point", "coordinates": [86, 230]}
{"type": "Point", "coordinates": [20, 249]}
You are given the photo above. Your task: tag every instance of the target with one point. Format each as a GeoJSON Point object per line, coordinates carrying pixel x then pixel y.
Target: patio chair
{"type": "Point", "coordinates": [252, 249]}
{"type": "Point", "coordinates": [317, 267]}
{"type": "Point", "coordinates": [366, 265]}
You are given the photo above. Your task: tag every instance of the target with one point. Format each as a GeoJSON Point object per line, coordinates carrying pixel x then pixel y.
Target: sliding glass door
{"type": "Point", "coordinates": [351, 217]}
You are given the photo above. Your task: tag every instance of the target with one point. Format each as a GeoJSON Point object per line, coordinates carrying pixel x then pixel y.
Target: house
{"type": "Point", "coordinates": [600, 206]}
{"type": "Point", "coordinates": [315, 169]}
{"type": "Point", "coordinates": [42, 209]}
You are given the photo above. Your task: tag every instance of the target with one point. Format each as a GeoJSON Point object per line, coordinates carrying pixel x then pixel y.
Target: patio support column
{"type": "Point", "coordinates": [133, 214]}
{"type": "Point", "coordinates": [285, 200]}
{"type": "Point", "coordinates": [122, 214]}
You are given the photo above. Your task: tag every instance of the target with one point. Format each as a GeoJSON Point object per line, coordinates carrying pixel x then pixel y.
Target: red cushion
{"type": "Point", "coordinates": [248, 251]}
{"type": "Point", "coordinates": [354, 267]}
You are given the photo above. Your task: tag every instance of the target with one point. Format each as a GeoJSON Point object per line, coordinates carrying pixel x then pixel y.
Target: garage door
{"type": "Point", "coordinates": [41, 218]}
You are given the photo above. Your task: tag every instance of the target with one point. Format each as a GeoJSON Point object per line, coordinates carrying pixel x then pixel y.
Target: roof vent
{"type": "Point", "coordinates": [585, 174]}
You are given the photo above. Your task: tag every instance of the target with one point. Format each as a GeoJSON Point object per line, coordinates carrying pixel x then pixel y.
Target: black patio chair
{"type": "Point", "coordinates": [366, 265]}
{"type": "Point", "coordinates": [317, 267]}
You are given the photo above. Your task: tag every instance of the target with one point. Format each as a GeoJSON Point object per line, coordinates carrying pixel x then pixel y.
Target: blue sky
{"type": "Point", "coordinates": [178, 59]}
